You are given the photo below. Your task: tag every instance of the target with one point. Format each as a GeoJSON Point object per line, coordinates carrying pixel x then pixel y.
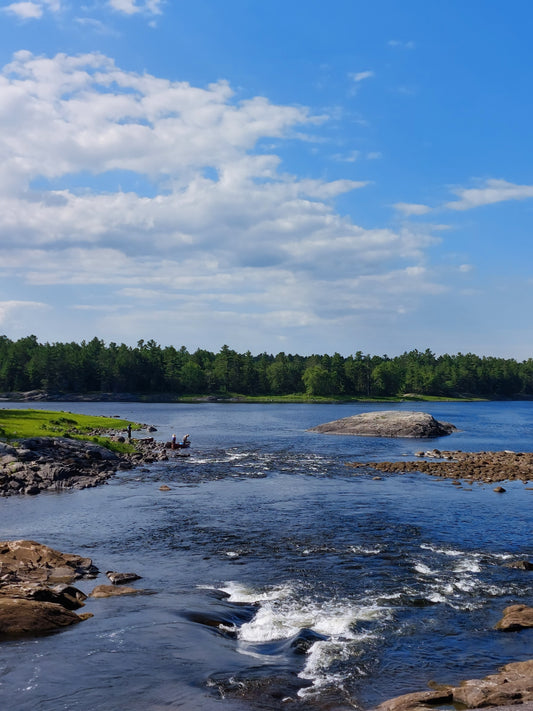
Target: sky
{"type": "Point", "coordinates": [295, 176]}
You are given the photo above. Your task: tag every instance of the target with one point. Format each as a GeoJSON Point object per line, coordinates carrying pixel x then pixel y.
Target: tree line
{"type": "Point", "coordinates": [148, 368]}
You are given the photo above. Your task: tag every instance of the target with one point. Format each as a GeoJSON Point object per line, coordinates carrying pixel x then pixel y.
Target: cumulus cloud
{"type": "Point", "coordinates": [221, 233]}
{"type": "Point", "coordinates": [25, 10]}
{"type": "Point", "coordinates": [32, 9]}
{"type": "Point", "coordinates": [492, 191]}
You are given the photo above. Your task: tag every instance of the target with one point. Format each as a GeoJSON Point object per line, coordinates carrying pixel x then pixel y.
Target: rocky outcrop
{"type": "Point", "coordinates": [512, 685]}
{"type": "Point", "coordinates": [54, 463]}
{"type": "Point", "coordinates": [36, 595]}
{"type": "Point", "coordinates": [488, 467]}
{"type": "Point", "coordinates": [516, 617]}
{"type": "Point", "coordinates": [35, 591]}
{"type": "Point", "coordinates": [388, 423]}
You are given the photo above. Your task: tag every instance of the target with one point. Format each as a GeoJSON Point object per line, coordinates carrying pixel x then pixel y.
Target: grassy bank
{"type": "Point", "coordinates": [21, 424]}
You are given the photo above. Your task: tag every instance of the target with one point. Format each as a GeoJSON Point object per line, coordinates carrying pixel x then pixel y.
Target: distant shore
{"type": "Point", "coordinates": [57, 396]}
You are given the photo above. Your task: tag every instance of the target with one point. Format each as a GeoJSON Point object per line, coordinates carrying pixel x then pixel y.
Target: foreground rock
{"type": "Point", "coordinates": [54, 463]}
{"type": "Point", "coordinates": [487, 467]}
{"type": "Point", "coordinates": [388, 423]}
{"type": "Point", "coordinates": [35, 591]}
{"type": "Point", "coordinates": [516, 617]}
{"type": "Point", "coordinates": [512, 685]}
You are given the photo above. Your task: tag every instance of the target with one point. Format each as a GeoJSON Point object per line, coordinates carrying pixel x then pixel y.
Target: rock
{"type": "Point", "coordinates": [30, 561]}
{"type": "Point", "coordinates": [513, 684]}
{"type": "Point", "coordinates": [119, 578]}
{"type": "Point", "coordinates": [20, 617]}
{"type": "Point", "coordinates": [516, 617]}
{"type": "Point", "coordinates": [487, 467]}
{"type": "Point", "coordinates": [111, 590]}
{"type": "Point", "coordinates": [520, 565]}
{"type": "Point", "coordinates": [388, 423]}
{"type": "Point", "coordinates": [500, 490]}
{"type": "Point", "coordinates": [164, 487]}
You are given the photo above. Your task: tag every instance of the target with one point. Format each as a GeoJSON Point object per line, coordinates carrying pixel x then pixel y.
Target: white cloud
{"type": "Point", "coordinates": [32, 9]}
{"type": "Point", "coordinates": [361, 76]}
{"type": "Point", "coordinates": [223, 234]}
{"type": "Point", "coordinates": [25, 10]}
{"type": "Point", "coordinates": [13, 312]}
{"type": "Point", "coordinates": [409, 208]}
{"type": "Point", "coordinates": [131, 7]}
{"type": "Point", "coordinates": [491, 192]}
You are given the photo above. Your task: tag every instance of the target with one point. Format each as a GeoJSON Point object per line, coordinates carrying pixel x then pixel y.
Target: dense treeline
{"type": "Point", "coordinates": [92, 366]}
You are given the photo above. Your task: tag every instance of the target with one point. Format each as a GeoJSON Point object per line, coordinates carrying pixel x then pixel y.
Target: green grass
{"type": "Point", "coordinates": [21, 424]}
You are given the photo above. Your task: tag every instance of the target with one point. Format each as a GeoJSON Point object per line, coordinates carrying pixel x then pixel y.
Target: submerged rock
{"type": "Point", "coordinates": [388, 423]}
{"type": "Point", "coordinates": [112, 590]}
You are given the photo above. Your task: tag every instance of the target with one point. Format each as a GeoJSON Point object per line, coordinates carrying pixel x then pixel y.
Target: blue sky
{"type": "Point", "coordinates": [293, 176]}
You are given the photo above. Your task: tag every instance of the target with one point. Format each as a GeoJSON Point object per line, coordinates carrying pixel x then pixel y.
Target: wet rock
{"type": "Point", "coordinates": [516, 617]}
{"type": "Point", "coordinates": [388, 423]}
{"type": "Point", "coordinates": [19, 617]}
{"type": "Point", "coordinates": [520, 564]}
{"type": "Point", "coordinates": [112, 590]}
{"type": "Point", "coordinates": [513, 684]}
{"type": "Point", "coordinates": [500, 490]}
{"type": "Point", "coordinates": [120, 578]}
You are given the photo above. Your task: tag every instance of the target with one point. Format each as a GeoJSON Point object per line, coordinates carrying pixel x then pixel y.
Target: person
{"type": "Point", "coordinates": [186, 440]}
{"type": "Point", "coordinates": [129, 432]}
{"type": "Point", "coordinates": [173, 441]}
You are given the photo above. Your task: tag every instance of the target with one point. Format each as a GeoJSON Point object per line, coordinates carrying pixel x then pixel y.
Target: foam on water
{"type": "Point", "coordinates": [286, 611]}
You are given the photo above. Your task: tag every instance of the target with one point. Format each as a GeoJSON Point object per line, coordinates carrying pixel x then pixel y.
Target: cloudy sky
{"type": "Point", "coordinates": [293, 175]}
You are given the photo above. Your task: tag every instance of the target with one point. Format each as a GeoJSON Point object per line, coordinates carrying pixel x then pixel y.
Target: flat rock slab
{"type": "Point", "coordinates": [112, 591]}
{"type": "Point", "coordinates": [388, 423]}
{"type": "Point", "coordinates": [512, 685]}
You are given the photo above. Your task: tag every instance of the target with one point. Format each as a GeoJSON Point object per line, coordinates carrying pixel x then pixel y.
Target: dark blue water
{"type": "Point", "coordinates": [275, 572]}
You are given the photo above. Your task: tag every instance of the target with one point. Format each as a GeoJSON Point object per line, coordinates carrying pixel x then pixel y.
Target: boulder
{"type": "Point", "coordinates": [25, 560]}
{"type": "Point", "coordinates": [119, 578]}
{"type": "Point", "coordinates": [388, 423]}
{"type": "Point", "coordinates": [20, 617]}
{"type": "Point", "coordinates": [516, 617]}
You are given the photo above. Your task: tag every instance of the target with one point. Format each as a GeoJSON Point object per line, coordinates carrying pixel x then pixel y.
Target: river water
{"type": "Point", "coordinates": [274, 576]}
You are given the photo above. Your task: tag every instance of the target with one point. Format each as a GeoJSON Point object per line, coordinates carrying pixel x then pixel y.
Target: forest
{"type": "Point", "coordinates": [149, 369]}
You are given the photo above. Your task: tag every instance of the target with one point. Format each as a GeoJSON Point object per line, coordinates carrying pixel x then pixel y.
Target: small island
{"type": "Point", "coordinates": [388, 423]}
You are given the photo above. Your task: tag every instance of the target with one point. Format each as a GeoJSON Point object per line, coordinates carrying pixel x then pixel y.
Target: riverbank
{"type": "Point", "coordinates": [41, 464]}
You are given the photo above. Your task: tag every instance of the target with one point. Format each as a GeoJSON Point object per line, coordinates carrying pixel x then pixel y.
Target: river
{"type": "Point", "coordinates": [273, 575]}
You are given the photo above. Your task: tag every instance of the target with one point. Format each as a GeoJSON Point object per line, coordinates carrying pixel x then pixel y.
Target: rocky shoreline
{"type": "Point", "coordinates": [485, 467]}
{"type": "Point", "coordinates": [36, 591]}
{"type": "Point", "coordinates": [55, 463]}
